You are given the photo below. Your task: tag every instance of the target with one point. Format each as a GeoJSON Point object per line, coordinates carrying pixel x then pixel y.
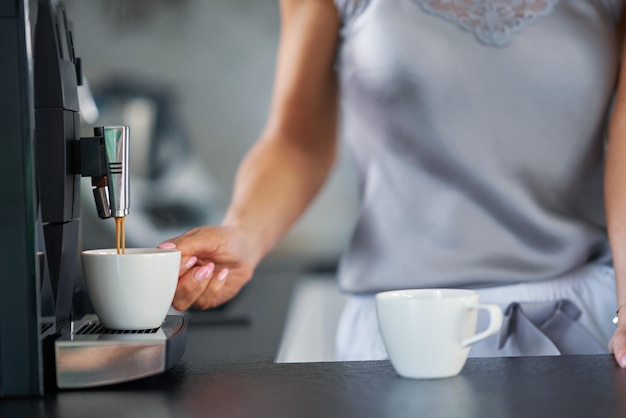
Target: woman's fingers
{"type": "Point", "coordinates": [195, 241]}
{"type": "Point", "coordinates": [167, 245]}
{"type": "Point", "coordinates": [617, 346]}
{"type": "Point", "coordinates": [186, 263]}
{"type": "Point", "coordinates": [620, 358]}
{"type": "Point", "coordinates": [201, 284]}
{"type": "Point", "coordinates": [209, 297]}
{"type": "Point", "coordinates": [191, 285]}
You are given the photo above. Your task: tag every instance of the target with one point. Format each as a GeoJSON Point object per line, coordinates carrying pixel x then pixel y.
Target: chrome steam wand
{"type": "Point", "coordinates": [105, 158]}
{"type": "Point", "coordinates": [112, 191]}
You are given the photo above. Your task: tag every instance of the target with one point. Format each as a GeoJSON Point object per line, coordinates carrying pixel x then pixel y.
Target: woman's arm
{"type": "Point", "coordinates": [283, 171]}
{"type": "Point", "coordinates": [615, 200]}
{"type": "Point", "coordinates": [287, 166]}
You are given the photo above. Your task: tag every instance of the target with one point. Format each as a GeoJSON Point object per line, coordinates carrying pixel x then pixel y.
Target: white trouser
{"type": "Point", "coordinates": [591, 288]}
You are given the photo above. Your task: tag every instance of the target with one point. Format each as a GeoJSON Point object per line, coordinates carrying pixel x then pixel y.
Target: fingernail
{"type": "Point", "coordinates": [167, 245]}
{"type": "Point", "coordinates": [222, 276]}
{"type": "Point", "coordinates": [191, 261]}
{"type": "Point", "coordinates": [204, 272]}
{"type": "Point", "coordinates": [622, 362]}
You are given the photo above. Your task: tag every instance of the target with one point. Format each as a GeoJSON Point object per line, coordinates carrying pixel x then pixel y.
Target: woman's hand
{"type": "Point", "coordinates": [617, 343]}
{"type": "Point", "coordinates": [216, 263]}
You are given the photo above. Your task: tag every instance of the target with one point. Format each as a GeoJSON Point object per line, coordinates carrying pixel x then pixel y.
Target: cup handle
{"type": "Point", "coordinates": [495, 322]}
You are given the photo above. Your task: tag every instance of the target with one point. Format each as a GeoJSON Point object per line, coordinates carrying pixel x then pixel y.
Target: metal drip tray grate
{"type": "Point", "coordinates": [96, 328]}
{"type": "Point", "coordinates": [88, 354]}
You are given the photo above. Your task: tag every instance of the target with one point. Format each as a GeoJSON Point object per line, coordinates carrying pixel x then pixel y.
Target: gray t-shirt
{"type": "Point", "coordinates": [477, 128]}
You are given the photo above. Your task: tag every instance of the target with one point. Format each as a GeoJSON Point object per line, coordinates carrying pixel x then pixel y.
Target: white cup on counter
{"type": "Point", "coordinates": [428, 332]}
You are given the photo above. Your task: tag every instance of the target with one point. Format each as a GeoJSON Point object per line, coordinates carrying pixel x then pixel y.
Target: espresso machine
{"type": "Point", "coordinates": [43, 346]}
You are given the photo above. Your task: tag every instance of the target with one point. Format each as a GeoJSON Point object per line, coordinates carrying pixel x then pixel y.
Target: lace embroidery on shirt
{"type": "Point", "coordinates": [494, 22]}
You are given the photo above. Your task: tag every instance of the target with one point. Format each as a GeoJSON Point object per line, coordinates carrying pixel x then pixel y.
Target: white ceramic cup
{"type": "Point", "coordinates": [428, 332]}
{"type": "Point", "coordinates": [134, 290]}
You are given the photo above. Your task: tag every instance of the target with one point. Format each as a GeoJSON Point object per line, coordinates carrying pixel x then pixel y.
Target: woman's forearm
{"type": "Point", "coordinates": [275, 183]}
{"type": "Point", "coordinates": [286, 168]}
{"type": "Point", "coordinates": [615, 192]}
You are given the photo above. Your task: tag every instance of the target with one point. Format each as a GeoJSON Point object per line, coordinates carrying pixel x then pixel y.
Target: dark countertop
{"type": "Point", "coordinates": [247, 329]}
{"type": "Point", "coordinates": [228, 371]}
{"type": "Point", "coordinates": [533, 387]}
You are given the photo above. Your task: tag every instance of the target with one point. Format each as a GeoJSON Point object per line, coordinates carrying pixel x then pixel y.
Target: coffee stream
{"type": "Point", "coordinates": [120, 238]}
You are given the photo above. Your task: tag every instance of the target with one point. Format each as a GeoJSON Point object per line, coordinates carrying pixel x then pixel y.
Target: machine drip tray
{"type": "Point", "coordinates": [87, 354]}
{"type": "Point", "coordinates": [97, 328]}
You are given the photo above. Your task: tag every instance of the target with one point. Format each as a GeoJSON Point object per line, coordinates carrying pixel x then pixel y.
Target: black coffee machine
{"type": "Point", "coordinates": [42, 346]}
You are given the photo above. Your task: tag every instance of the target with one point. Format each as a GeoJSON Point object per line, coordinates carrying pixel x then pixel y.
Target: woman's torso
{"type": "Point", "coordinates": [478, 136]}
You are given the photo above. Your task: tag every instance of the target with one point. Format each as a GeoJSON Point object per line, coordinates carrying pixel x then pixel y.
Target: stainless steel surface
{"type": "Point", "coordinates": [101, 196]}
{"type": "Point", "coordinates": [88, 354]}
{"type": "Point", "coordinates": [116, 147]}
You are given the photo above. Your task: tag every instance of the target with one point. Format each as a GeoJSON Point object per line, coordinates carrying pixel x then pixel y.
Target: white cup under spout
{"type": "Point", "coordinates": [134, 290]}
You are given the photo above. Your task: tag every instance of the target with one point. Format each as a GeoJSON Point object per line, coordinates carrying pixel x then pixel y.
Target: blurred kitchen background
{"type": "Point", "coordinates": [193, 80]}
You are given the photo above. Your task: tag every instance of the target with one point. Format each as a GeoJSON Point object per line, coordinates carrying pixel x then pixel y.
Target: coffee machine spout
{"type": "Point", "coordinates": [105, 158]}
{"type": "Point", "coordinates": [116, 145]}
{"type": "Point", "coordinates": [101, 197]}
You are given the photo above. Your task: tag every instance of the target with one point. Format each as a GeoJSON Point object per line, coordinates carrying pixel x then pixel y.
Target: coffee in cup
{"type": "Point", "coordinates": [134, 290]}
{"type": "Point", "coordinates": [428, 332]}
